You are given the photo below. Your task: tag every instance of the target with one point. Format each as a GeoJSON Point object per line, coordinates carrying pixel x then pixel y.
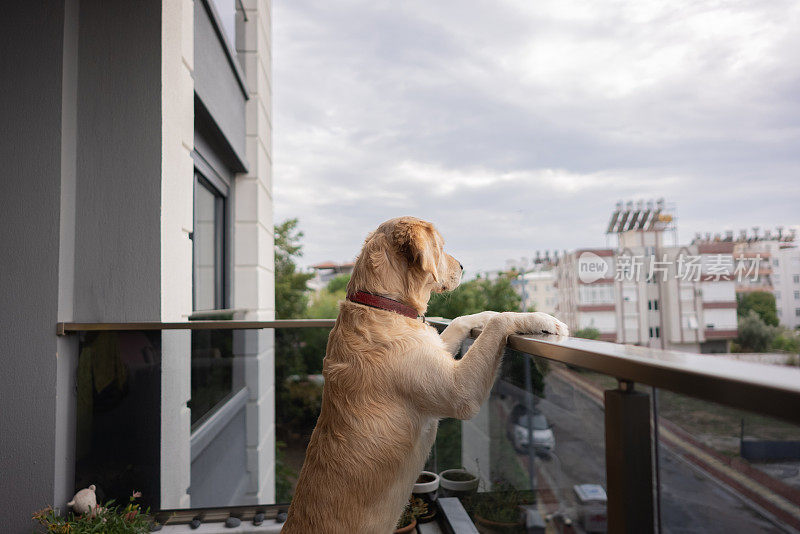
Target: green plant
{"type": "Point", "coordinates": [501, 505]}
{"type": "Point", "coordinates": [475, 296]}
{"type": "Point", "coordinates": [108, 519]}
{"type": "Point", "coordinates": [587, 333]}
{"type": "Point", "coordinates": [761, 302]}
{"type": "Point", "coordinates": [283, 474]}
{"type": "Point", "coordinates": [754, 334]}
{"type": "Point", "coordinates": [786, 340]}
{"type": "Point", "coordinates": [415, 508]}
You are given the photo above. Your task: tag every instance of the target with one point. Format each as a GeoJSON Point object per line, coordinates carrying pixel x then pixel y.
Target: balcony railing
{"type": "Point", "coordinates": [679, 442]}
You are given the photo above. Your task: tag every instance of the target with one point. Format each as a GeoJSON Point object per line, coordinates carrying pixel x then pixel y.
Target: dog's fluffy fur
{"type": "Point", "coordinates": [388, 381]}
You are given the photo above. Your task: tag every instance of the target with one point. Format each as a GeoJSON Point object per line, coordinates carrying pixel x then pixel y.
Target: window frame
{"type": "Point", "coordinates": [221, 192]}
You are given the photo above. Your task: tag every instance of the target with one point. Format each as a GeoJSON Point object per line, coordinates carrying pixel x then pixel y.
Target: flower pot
{"type": "Point", "coordinates": [461, 484]}
{"type": "Point", "coordinates": [406, 529]}
{"type": "Point", "coordinates": [498, 527]}
{"type": "Point", "coordinates": [427, 483]}
{"type": "Point", "coordinates": [426, 489]}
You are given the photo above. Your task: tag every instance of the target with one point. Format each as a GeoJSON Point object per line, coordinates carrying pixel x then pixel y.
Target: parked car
{"type": "Point", "coordinates": [523, 423]}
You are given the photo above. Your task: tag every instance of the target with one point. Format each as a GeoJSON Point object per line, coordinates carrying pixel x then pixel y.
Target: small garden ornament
{"type": "Point", "coordinates": [85, 501]}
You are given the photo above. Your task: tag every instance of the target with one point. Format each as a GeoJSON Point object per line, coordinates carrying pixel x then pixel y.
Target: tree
{"type": "Point", "coordinates": [762, 303]}
{"type": "Point", "coordinates": [475, 296]}
{"type": "Point", "coordinates": [291, 302]}
{"type": "Point", "coordinates": [587, 333]}
{"type": "Point", "coordinates": [291, 299]}
{"type": "Point", "coordinates": [754, 334]}
{"type": "Point", "coordinates": [324, 305]}
{"type": "Point", "coordinates": [786, 340]}
{"type": "Point", "coordinates": [338, 284]}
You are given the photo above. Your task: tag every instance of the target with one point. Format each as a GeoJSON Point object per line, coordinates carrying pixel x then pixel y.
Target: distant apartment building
{"type": "Point", "coordinates": [537, 290]}
{"type": "Point", "coordinates": [770, 262]}
{"type": "Point", "coordinates": [326, 271]}
{"type": "Point", "coordinates": [647, 292]}
{"type": "Point", "coordinates": [786, 284]}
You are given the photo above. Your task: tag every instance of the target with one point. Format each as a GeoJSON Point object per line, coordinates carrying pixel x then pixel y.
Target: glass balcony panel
{"type": "Point", "coordinates": [723, 470]}
{"type": "Point", "coordinates": [537, 437]}
{"type": "Point", "coordinates": [248, 419]}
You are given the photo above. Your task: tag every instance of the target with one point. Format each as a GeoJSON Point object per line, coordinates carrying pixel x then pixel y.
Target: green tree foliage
{"type": "Point", "coordinates": [291, 302]}
{"type": "Point", "coordinates": [786, 340]}
{"type": "Point", "coordinates": [475, 296]}
{"type": "Point", "coordinates": [762, 303]}
{"type": "Point", "coordinates": [291, 292]}
{"type": "Point", "coordinates": [587, 333]}
{"type": "Point", "coordinates": [754, 334]}
{"type": "Point", "coordinates": [338, 285]}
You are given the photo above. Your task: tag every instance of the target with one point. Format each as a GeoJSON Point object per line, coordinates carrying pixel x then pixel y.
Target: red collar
{"type": "Point", "coordinates": [383, 303]}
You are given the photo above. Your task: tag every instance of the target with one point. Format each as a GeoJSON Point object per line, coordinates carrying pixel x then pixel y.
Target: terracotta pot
{"type": "Point", "coordinates": [499, 526]}
{"type": "Point", "coordinates": [406, 529]}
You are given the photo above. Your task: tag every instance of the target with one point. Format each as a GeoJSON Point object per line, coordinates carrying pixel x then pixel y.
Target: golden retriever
{"type": "Point", "coordinates": [389, 378]}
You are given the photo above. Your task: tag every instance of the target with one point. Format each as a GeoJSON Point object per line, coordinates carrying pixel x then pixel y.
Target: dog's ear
{"type": "Point", "coordinates": [415, 239]}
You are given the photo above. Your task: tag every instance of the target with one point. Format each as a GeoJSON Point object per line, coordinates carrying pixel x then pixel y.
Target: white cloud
{"type": "Point", "coordinates": [516, 125]}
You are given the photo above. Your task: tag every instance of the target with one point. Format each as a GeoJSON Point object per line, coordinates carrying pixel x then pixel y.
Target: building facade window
{"type": "Point", "coordinates": [796, 278]}
{"type": "Point", "coordinates": [212, 379]}
{"type": "Point", "coordinates": [797, 312]}
{"type": "Point", "coordinates": [208, 247]}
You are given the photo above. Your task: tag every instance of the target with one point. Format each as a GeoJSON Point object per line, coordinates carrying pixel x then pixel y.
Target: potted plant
{"type": "Point", "coordinates": [407, 522]}
{"type": "Point", "coordinates": [108, 519]}
{"type": "Point", "coordinates": [458, 483]}
{"type": "Point", "coordinates": [499, 511]}
{"type": "Point", "coordinates": [426, 492]}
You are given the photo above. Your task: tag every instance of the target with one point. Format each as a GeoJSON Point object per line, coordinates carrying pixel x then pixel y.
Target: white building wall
{"type": "Point", "coordinates": [722, 291]}
{"type": "Point", "coordinates": [604, 321]}
{"type": "Point", "coordinates": [719, 319]}
{"type": "Point", "coordinates": [785, 284]}
{"type": "Point", "coordinates": [177, 179]}
{"type": "Point", "coordinates": [254, 271]}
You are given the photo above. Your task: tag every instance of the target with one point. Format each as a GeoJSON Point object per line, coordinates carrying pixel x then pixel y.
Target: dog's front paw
{"type": "Point", "coordinates": [539, 323]}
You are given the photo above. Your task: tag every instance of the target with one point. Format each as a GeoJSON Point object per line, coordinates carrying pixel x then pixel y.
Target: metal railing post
{"type": "Point", "coordinates": [629, 468]}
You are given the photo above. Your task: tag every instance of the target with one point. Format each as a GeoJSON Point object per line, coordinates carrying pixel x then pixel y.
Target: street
{"type": "Point", "coordinates": [690, 500]}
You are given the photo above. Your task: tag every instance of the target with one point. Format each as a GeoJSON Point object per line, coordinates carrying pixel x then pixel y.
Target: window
{"type": "Point", "coordinates": [596, 294]}
{"type": "Point", "coordinates": [796, 278]}
{"type": "Point", "coordinates": [655, 332]}
{"type": "Point", "coordinates": [775, 262]}
{"type": "Point", "coordinates": [777, 295]}
{"type": "Point", "coordinates": [797, 312]}
{"type": "Point", "coordinates": [213, 377]}
{"type": "Point", "coordinates": [797, 295]}
{"type": "Point", "coordinates": [208, 247]}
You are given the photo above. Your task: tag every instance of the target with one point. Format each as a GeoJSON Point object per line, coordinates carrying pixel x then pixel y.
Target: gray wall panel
{"type": "Point", "coordinates": [118, 222]}
{"type": "Point", "coordinates": [219, 472]}
{"type": "Point", "coordinates": [30, 149]}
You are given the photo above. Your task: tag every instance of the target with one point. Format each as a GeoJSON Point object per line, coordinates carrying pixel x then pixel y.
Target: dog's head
{"type": "Point", "coordinates": [403, 259]}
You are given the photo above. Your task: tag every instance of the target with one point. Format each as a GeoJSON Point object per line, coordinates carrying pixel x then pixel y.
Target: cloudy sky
{"type": "Point", "coordinates": [515, 126]}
